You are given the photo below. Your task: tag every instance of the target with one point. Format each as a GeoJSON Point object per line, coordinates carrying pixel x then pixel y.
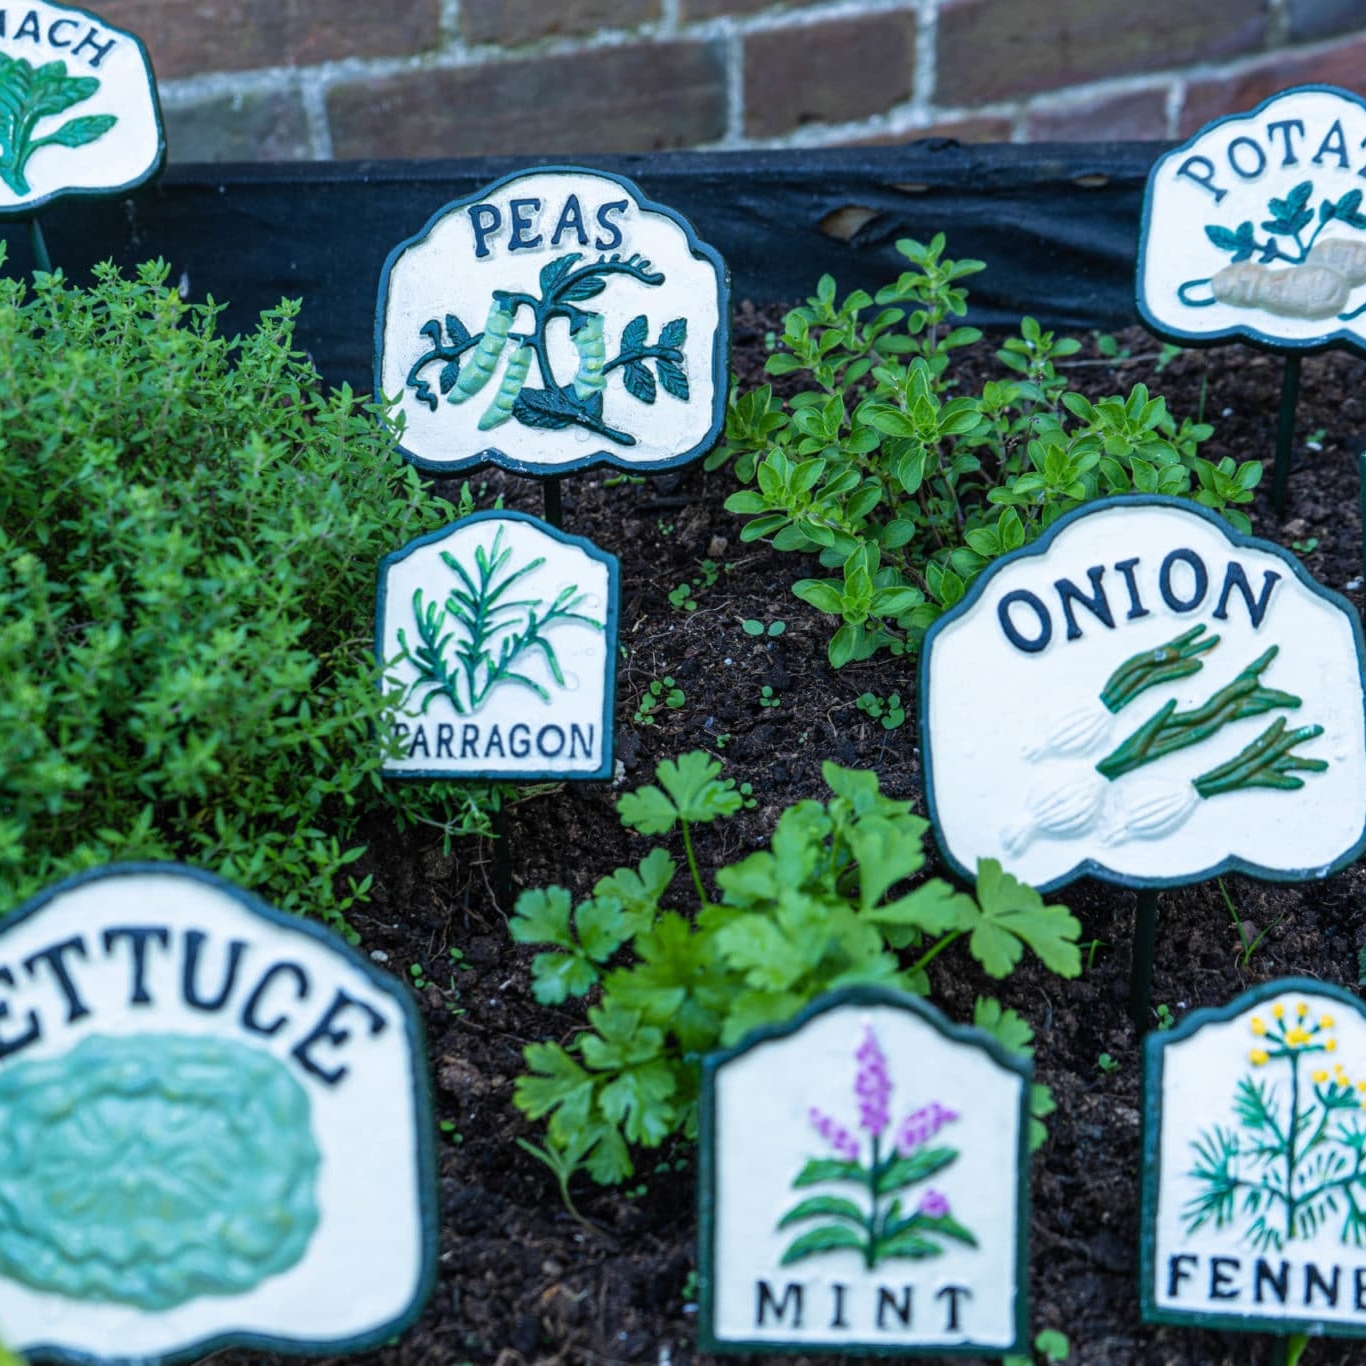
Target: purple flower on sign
{"type": "Point", "coordinates": [921, 1125]}
{"type": "Point", "coordinates": [933, 1205]}
{"type": "Point", "coordinates": [872, 1086]}
{"type": "Point", "coordinates": [835, 1134]}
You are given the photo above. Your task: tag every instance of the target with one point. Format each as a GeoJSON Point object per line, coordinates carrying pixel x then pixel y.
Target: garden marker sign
{"type": "Point", "coordinates": [556, 319]}
{"type": "Point", "coordinates": [1254, 1184]}
{"type": "Point", "coordinates": [215, 1127]}
{"type": "Point", "coordinates": [500, 632]}
{"type": "Point", "coordinates": [78, 107]}
{"type": "Point", "coordinates": [1145, 695]}
{"type": "Point", "coordinates": [1254, 227]}
{"type": "Point", "coordinates": [864, 1184]}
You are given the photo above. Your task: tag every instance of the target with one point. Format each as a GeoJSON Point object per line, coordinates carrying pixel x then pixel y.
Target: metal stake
{"type": "Point", "coordinates": [1141, 974]}
{"type": "Point", "coordinates": [554, 505]}
{"type": "Point", "coordinates": [36, 241]}
{"type": "Point", "coordinates": [502, 860]}
{"type": "Point", "coordinates": [1285, 431]}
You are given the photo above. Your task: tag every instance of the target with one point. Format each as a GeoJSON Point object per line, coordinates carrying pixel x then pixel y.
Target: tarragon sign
{"type": "Point", "coordinates": [1146, 695]}
{"type": "Point", "coordinates": [555, 320]}
{"type": "Point", "coordinates": [78, 107]}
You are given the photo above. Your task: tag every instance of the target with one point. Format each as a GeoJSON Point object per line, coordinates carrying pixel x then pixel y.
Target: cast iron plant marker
{"type": "Point", "coordinates": [864, 1185]}
{"type": "Point", "coordinates": [217, 1128]}
{"type": "Point", "coordinates": [1254, 228]}
{"type": "Point", "coordinates": [1254, 1172]}
{"type": "Point", "coordinates": [1146, 696]}
{"type": "Point", "coordinates": [78, 112]}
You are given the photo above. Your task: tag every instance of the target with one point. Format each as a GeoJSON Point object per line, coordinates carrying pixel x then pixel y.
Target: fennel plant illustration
{"type": "Point", "coordinates": [476, 640]}
{"type": "Point", "coordinates": [28, 96]}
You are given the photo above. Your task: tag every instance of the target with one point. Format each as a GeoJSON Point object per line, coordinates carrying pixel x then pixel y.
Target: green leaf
{"type": "Point", "coordinates": [541, 916]}
{"type": "Point", "coordinates": [557, 976]}
{"type": "Point", "coordinates": [634, 333]}
{"type": "Point", "coordinates": [78, 132]}
{"type": "Point", "coordinates": [554, 1082]}
{"type": "Point", "coordinates": [1005, 1025]}
{"type": "Point", "coordinates": [639, 1100]}
{"type": "Point", "coordinates": [821, 1169]}
{"type": "Point", "coordinates": [639, 892]}
{"type": "Point", "coordinates": [690, 790]}
{"type": "Point", "coordinates": [910, 1245]}
{"type": "Point", "coordinates": [817, 1206]}
{"type": "Point", "coordinates": [1013, 915]}
{"type": "Point", "coordinates": [919, 1166]}
{"type": "Point", "coordinates": [823, 594]}
{"type": "Point", "coordinates": [817, 1240]}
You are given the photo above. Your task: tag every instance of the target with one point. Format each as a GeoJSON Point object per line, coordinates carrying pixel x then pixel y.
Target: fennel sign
{"type": "Point", "coordinates": [1145, 695]}
{"type": "Point", "coordinates": [499, 636]}
{"type": "Point", "coordinates": [1254, 1193]}
{"type": "Point", "coordinates": [1255, 227]}
{"type": "Point", "coordinates": [216, 1127]}
{"type": "Point", "coordinates": [864, 1184]}
{"type": "Point", "coordinates": [78, 107]}
{"type": "Point", "coordinates": [557, 319]}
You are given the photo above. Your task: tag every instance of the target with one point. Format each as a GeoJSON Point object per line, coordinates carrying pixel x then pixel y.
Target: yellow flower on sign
{"type": "Point", "coordinates": [1325, 1022]}
{"type": "Point", "coordinates": [1258, 1056]}
{"type": "Point", "coordinates": [1331, 1045]}
{"type": "Point", "coordinates": [1258, 1025]}
{"type": "Point", "coordinates": [1302, 1009]}
{"type": "Point", "coordinates": [1296, 1036]}
{"type": "Point", "coordinates": [1320, 1077]}
{"type": "Point", "coordinates": [1278, 1010]}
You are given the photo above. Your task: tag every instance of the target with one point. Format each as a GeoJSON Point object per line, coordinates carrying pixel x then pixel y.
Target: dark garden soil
{"type": "Point", "coordinates": [521, 1282]}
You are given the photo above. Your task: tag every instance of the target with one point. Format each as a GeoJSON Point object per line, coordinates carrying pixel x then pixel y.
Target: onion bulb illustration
{"type": "Point", "coordinates": [1146, 810]}
{"type": "Point", "coordinates": [1064, 810]}
{"type": "Point", "coordinates": [1076, 733]}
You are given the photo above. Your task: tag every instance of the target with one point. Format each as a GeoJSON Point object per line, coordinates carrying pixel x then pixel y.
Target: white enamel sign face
{"type": "Point", "coordinates": [214, 1127]}
{"type": "Point", "coordinates": [861, 1185]}
{"type": "Point", "coordinates": [1146, 695]}
{"type": "Point", "coordinates": [1256, 227]}
{"type": "Point", "coordinates": [555, 320]}
{"type": "Point", "coordinates": [501, 634]}
{"type": "Point", "coordinates": [1254, 1194]}
{"type": "Point", "coordinates": [78, 107]}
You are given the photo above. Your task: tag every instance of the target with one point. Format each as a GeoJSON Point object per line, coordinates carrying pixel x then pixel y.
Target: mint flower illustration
{"type": "Point", "coordinates": [875, 1224]}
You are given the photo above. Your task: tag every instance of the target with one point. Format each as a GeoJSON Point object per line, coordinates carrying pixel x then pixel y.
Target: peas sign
{"type": "Point", "coordinates": [214, 1127]}
{"type": "Point", "coordinates": [78, 107]}
{"type": "Point", "coordinates": [1145, 695]}
{"type": "Point", "coordinates": [557, 319]}
{"type": "Point", "coordinates": [1255, 227]}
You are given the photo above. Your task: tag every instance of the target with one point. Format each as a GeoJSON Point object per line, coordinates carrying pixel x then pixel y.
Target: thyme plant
{"type": "Point", "coordinates": [907, 486]}
{"type": "Point", "coordinates": [189, 528]}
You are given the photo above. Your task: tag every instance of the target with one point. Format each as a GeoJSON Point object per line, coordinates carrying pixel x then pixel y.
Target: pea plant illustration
{"type": "Point", "coordinates": [1292, 276]}
{"type": "Point", "coordinates": [1295, 1161]}
{"type": "Point", "coordinates": [478, 638]}
{"type": "Point", "coordinates": [28, 95]}
{"type": "Point", "coordinates": [882, 1168]}
{"type": "Point", "coordinates": [1154, 808]}
{"type": "Point", "coordinates": [468, 360]}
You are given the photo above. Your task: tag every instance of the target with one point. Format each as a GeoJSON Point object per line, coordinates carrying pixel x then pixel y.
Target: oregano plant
{"type": "Point", "coordinates": [681, 969]}
{"type": "Point", "coordinates": [908, 486]}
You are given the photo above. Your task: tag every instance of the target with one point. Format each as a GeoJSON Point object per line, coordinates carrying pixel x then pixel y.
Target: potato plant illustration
{"type": "Point", "coordinates": [1292, 276]}
{"type": "Point", "coordinates": [478, 638]}
{"type": "Point", "coordinates": [880, 1169]}
{"type": "Point", "coordinates": [1295, 1162]}
{"type": "Point", "coordinates": [28, 97]}
{"type": "Point", "coordinates": [468, 361]}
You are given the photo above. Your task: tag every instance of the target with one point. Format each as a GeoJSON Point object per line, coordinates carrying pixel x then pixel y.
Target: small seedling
{"type": "Point", "coordinates": [617, 480]}
{"type": "Point", "coordinates": [757, 628]}
{"type": "Point", "coordinates": [682, 596]}
{"type": "Point", "coordinates": [1165, 1018]}
{"type": "Point", "coordinates": [664, 528]}
{"type": "Point", "coordinates": [662, 693]}
{"type": "Point", "coordinates": [417, 974]}
{"type": "Point", "coordinates": [1091, 950]}
{"type": "Point", "coordinates": [450, 1132]}
{"type": "Point", "coordinates": [768, 698]}
{"type": "Point", "coordinates": [685, 595]}
{"type": "Point", "coordinates": [1109, 347]}
{"type": "Point", "coordinates": [1314, 441]}
{"type": "Point", "coordinates": [1307, 546]}
{"type": "Point", "coordinates": [746, 791]}
{"type": "Point", "coordinates": [1245, 936]}
{"type": "Point", "coordinates": [1165, 356]}
{"type": "Point", "coordinates": [889, 711]}
{"type": "Point", "coordinates": [689, 1292]}
{"type": "Point", "coordinates": [1107, 1064]}
{"type": "Point", "coordinates": [1049, 1345]}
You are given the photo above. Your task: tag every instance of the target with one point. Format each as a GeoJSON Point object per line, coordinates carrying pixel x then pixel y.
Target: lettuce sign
{"type": "Point", "coordinates": [1147, 696]}
{"type": "Point", "coordinates": [214, 1127]}
{"type": "Point", "coordinates": [78, 107]}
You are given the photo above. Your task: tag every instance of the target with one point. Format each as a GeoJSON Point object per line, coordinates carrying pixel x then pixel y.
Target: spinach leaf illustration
{"type": "Point", "coordinates": [29, 95]}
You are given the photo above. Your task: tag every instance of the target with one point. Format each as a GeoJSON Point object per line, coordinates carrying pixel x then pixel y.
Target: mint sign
{"type": "Point", "coordinates": [557, 319]}
{"type": "Point", "coordinates": [1145, 695]}
{"type": "Point", "coordinates": [215, 1128]}
{"type": "Point", "coordinates": [864, 1185]}
{"type": "Point", "coordinates": [1255, 227]}
{"type": "Point", "coordinates": [1254, 1187]}
{"type": "Point", "coordinates": [498, 636]}
{"type": "Point", "coordinates": [78, 107]}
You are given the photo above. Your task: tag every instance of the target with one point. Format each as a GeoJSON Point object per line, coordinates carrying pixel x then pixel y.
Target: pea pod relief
{"type": "Point", "coordinates": [599, 317]}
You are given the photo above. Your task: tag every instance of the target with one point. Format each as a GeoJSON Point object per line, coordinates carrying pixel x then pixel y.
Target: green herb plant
{"type": "Point", "coordinates": [906, 485]}
{"type": "Point", "coordinates": [188, 532]}
{"type": "Point", "coordinates": [887, 711]}
{"type": "Point", "coordinates": [684, 595]}
{"type": "Point", "coordinates": [824, 906]}
{"type": "Point", "coordinates": [1050, 1346]}
{"type": "Point", "coordinates": [662, 694]}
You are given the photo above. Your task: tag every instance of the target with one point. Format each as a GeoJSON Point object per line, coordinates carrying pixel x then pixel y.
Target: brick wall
{"type": "Point", "coordinates": [283, 79]}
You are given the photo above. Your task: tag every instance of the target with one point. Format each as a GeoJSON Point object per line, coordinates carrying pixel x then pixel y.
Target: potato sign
{"type": "Point", "coordinates": [1147, 696]}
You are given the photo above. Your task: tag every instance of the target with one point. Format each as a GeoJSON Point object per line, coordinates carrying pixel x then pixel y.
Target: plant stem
{"type": "Point", "coordinates": [692, 863]}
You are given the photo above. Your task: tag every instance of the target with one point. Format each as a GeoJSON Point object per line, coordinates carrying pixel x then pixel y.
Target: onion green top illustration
{"type": "Point", "coordinates": [28, 97]}
{"type": "Point", "coordinates": [153, 1169]}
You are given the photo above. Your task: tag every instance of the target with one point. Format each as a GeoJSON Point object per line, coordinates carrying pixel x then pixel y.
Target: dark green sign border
{"type": "Point", "coordinates": [611, 631]}
{"type": "Point", "coordinates": [1151, 1175]}
{"type": "Point", "coordinates": [32, 206]}
{"type": "Point", "coordinates": [707, 1134]}
{"type": "Point", "coordinates": [493, 455]}
{"type": "Point", "coordinates": [424, 1123]}
{"type": "Point", "coordinates": [1281, 345]}
{"type": "Point", "coordinates": [1090, 867]}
